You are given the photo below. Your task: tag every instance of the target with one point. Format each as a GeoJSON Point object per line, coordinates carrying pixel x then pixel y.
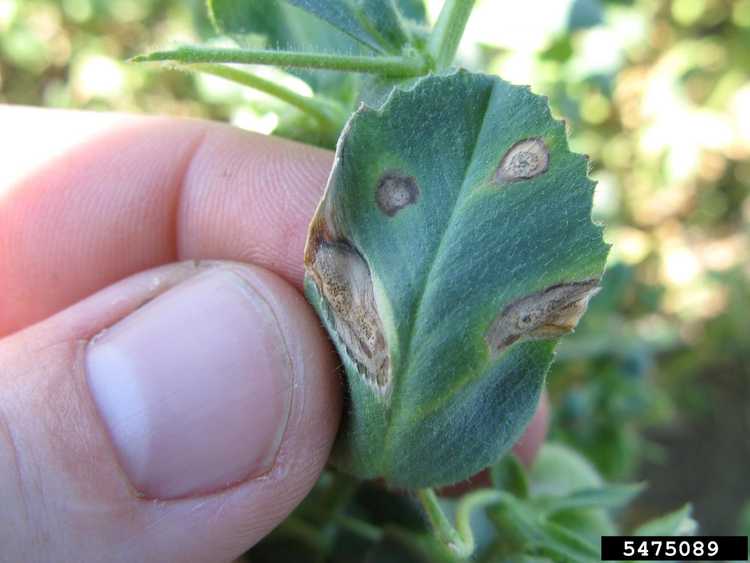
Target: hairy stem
{"type": "Point", "coordinates": [445, 37]}
{"type": "Point", "coordinates": [330, 114]}
{"type": "Point", "coordinates": [443, 529]}
{"type": "Point", "coordinates": [397, 66]}
{"type": "Point", "coordinates": [459, 539]}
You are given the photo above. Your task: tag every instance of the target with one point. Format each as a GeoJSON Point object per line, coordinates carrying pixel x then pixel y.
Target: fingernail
{"type": "Point", "coordinates": [194, 387]}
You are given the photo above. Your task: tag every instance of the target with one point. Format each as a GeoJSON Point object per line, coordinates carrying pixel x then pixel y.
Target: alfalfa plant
{"type": "Point", "coordinates": [452, 248]}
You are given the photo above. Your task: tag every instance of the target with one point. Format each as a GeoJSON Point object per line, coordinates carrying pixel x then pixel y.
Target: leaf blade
{"type": "Point", "coordinates": [342, 16]}
{"type": "Point", "coordinates": [677, 523]}
{"type": "Point", "coordinates": [608, 496]}
{"type": "Point", "coordinates": [279, 25]}
{"type": "Point", "coordinates": [457, 248]}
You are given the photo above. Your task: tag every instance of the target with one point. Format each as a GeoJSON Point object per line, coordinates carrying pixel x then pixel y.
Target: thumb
{"type": "Point", "coordinates": [208, 388]}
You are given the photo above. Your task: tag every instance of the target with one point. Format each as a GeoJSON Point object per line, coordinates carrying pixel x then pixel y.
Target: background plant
{"type": "Point", "coordinates": [657, 92]}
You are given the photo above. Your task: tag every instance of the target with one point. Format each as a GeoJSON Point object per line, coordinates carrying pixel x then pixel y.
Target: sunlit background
{"type": "Point", "coordinates": [656, 383]}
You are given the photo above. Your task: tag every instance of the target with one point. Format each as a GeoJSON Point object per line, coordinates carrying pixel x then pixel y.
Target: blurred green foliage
{"type": "Point", "coordinates": [656, 381]}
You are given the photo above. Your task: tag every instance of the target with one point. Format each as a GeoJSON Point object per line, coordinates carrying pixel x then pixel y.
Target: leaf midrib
{"type": "Point", "coordinates": [394, 407]}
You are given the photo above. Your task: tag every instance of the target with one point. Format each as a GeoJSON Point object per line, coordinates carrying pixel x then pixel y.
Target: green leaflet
{"type": "Point", "coordinates": [453, 246]}
{"type": "Point", "coordinates": [282, 26]}
{"type": "Point", "coordinates": [561, 476]}
{"type": "Point", "coordinates": [609, 496]}
{"type": "Point", "coordinates": [382, 18]}
{"type": "Point", "coordinates": [285, 25]}
{"type": "Point", "coordinates": [339, 27]}
{"type": "Point", "coordinates": [376, 24]}
{"type": "Point", "coordinates": [677, 523]}
{"type": "Point", "coordinates": [341, 15]}
{"type": "Point", "coordinates": [413, 10]}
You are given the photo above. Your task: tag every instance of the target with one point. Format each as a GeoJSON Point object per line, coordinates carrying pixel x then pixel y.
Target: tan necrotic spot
{"type": "Point", "coordinates": [550, 313]}
{"type": "Point", "coordinates": [526, 159]}
{"type": "Point", "coordinates": [395, 191]}
{"type": "Point", "coordinates": [343, 278]}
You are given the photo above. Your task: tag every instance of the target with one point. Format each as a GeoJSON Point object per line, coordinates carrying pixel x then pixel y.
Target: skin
{"type": "Point", "coordinates": [90, 205]}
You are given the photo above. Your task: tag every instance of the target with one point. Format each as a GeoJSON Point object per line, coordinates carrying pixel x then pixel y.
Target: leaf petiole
{"type": "Point", "coordinates": [394, 66]}
{"type": "Point", "coordinates": [330, 114]}
{"type": "Point", "coordinates": [459, 539]}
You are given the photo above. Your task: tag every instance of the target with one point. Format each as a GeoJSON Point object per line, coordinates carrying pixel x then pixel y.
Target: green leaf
{"type": "Point", "coordinates": [563, 544]}
{"type": "Point", "coordinates": [677, 523]}
{"type": "Point", "coordinates": [343, 15]}
{"type": "Point", "coordinates": [584, 14]}
{"type": "Point", "coordinates": [609, 496]}
{"type": "Point", "coordinates": [384, 20]}
{"type": "Point", "coordinates": [283, 25]}
{"type": "Point", "coordinates": [278, 25]}
{"type": "Point", "coordinates": [376, 88]}
{"type": "Point", "coordinates": [509, 474]}
{"type": "Point", "coordinates": [453, 247]}
{"type": "Point", "coordinates": [375, 24]}
{"type": "Point", "coordinates": [522, 527]}
{"type": "Point", "coordinates": [413, 10]}
{"type": "Point", "coordinates": [559, 470]}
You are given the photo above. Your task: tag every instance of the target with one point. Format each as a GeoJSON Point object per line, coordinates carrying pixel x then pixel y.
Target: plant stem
{"type": "Point", "coordinates": [329, 114]}
{"type": "Point", "coordinates": [331, 507]}
{"type": "Point", "coordinates": [397, 66]}
{"type": "Point", "coordinates": [443, 529]}
{"type": "Point", "coordinates": [359, 527]}
{"type": "Point", "coordinates": [338, 496]}
{"type": "Point", "coordinates": [445, 37]}
{"type": "Point", "coordinates": [459, 539]}
{"type": "Point", "coordinates": [298, 528]}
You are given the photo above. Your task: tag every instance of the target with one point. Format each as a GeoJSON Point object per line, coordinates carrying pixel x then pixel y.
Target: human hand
{"type": "Point", "coordinates": [154, 405]}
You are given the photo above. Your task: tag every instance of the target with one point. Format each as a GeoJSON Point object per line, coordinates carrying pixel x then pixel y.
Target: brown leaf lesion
{"type": "Point", "coordinates": [344, 280]}
{"type": "Point", "coordinates": [526, 159]}
{"type": "Point", "coordinates": [395, 191]}
{"type": "Point", "coordinates": [550, 313]}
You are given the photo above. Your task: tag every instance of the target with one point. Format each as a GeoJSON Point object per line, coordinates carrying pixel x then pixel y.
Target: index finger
{"type": "Point", "coordinates": [107, 196]}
